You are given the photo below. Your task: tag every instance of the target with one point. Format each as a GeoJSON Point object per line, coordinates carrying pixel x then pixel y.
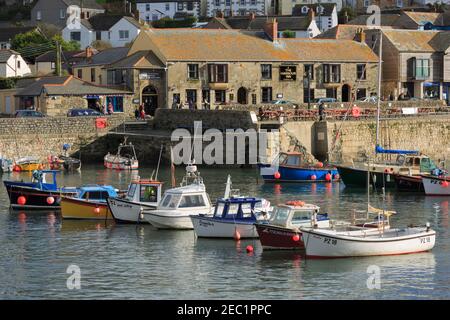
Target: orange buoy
{"type": "Point", "coordinates": [17, 168]}
{"type": "Point", "coordinates": [328, 177]}
{"type": "Point", "coordinates": [237, 235]}
{"type": "Point", "coordinates": [50, 200]}
{"type": "Point", "coordinates": [21, 200]}
{"type": "Point", "coordinates": [97, 210]}
{"type": "Point", "coordinates": [277, 175]}
{"type": "Point", "coordinates": [313, 177]}
{"type": "Point", "coordinates": [296, 237]}
{"type": "Point", "coordinates": [249, 248]}
{"type": "Point", "coordinates": [445, 184]}
{"type": "Point", "coordinates": [319, 164]}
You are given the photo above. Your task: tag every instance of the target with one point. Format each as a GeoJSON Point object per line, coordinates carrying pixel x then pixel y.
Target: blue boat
{"type": "Point", "coordinates": [292, 168]}
{"type": "Point", "coordinates": [39, 193]}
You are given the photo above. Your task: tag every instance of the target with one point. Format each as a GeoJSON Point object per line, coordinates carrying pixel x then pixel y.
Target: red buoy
{"type": "Point", "coordinates": [249, 248]}
{"type": "Point", "coordinates": [328, 177]}
{"type": "Point", "coordinates": [445, 184]}
{"type": "Point", "coordinates": [21, 200]}
{"type": "Point", "coordinates": [319, 165]}
{"type": "Point", "coordinates": [16, 168]}
{"type": "Point", "coordinates": [296, 237]}
{"type": "Point", "coordinates": [50, 200]}
{"type": "Point", "coordinates": [313, 177]}
{"type": "Point", "coordinates": [97, 210]}
{"type": "Point", "coordinates": [277, 175]}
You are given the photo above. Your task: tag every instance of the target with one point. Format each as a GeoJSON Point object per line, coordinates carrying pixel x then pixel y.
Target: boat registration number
{"type": "Point", "coordinates": [425, 240]}
{"type": "Point", "coordinates": [330, 241]}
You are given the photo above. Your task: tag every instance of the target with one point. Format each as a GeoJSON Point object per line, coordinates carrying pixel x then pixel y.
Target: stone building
{"type": "Point", "coordinates": [165, 67]}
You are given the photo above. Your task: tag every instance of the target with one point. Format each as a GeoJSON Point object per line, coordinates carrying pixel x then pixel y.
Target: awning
{"type": "Point", "coordinates": [431, 84]}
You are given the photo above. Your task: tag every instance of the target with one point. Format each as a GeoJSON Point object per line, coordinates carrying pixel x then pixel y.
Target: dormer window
{"type": "Point", "coordinates": [319, 9]}
{"type": "Point", "coordinates": [305, 9]}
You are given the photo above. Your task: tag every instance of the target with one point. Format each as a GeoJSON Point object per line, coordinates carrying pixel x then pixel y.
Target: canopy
{"type": "Point", "coordinates": [379, 149]}
{"type": "Point", "coordinates": [380, 211]}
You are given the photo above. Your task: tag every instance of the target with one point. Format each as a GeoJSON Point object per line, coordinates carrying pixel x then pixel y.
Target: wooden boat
{"type": "Point", "coordinates": [233, 218]}
{"type": "Point", "coordinates": [89, 203]}
{"type": "Point", "coordinates": [39, 193]}
{"type": "Point", "coordinates": [362, 243]}
{"type": "Point", "coordinates": [64, 163]}
{"type": "Point", "coordinates": [142, 195]}
{"type": "Point", "coordinates": [283, 229]}
{"type": "Point", "coordinates": [178, 204]}
{"type": "Point", "coordinates": [436, 185]}
{"type": "Point", "coordinates": [409, 183]}
{"type": "Point", "coordinates": [291, 167]}
{"type": "Point", "coordinates": [124, 159]}
{"type": "Point", "coordinates": [27, 164]}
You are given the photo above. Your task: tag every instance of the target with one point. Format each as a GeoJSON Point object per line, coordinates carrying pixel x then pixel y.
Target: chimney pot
{"type": "Point", "coordinates": [271, 29]}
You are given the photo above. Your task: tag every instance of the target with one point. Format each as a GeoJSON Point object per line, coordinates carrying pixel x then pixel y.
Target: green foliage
{"type": "Point", "coordinates": [171, 23]}
{"type": "Point", "coordinates": [351, 14]}
{"type": "Point", "coordinates": [66, 46]}
{"type": "Point", "coordinates": [288, 34]}
{"type": "Point", "coordinates": [8, 83]}
{"type": "Point", "coordinates": [101, 45]}
{"type": "Point", "coordinates": [28, 39]}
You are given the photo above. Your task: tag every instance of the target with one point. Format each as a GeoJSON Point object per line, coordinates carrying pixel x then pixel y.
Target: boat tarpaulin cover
{"type": "Point", "coordinates": [379, 149]}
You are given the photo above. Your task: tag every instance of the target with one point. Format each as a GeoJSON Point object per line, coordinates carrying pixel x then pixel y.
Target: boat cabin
{"type": "Point", "coordinates": [45, 179]}
{"type": "Point", "coordinates": [420, 163]}
{"type": "Point", "coordinates": [298, 215]}
{"type": "Point", "coordinates": [187, 197]}
{"type": "Point", "coordinates": [236, 209]}
{"type": "Point", "coordinates": [290, 159]}
{"type": "Point", "coordinates": [96, 193]}
{"type": "Point", "coordinates": [145, 191]}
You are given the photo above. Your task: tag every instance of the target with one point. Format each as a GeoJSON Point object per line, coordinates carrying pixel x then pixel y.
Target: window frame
{"type": "Point", "coordinates": [269, 71]}
{"type": "Point", "coordinates": [266, 94]}
{"type": "Point", "coordinates": [192, 74]}
{"type": "Point", "coordinates": [361, 74]}
{"type": "Point", "coordinates": [214, 73]}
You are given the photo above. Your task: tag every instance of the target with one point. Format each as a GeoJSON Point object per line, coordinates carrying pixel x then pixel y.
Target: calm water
{"type": "Point", "coordinates": [129, 262]}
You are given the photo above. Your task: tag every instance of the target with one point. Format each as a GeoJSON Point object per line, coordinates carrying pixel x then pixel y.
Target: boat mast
{"type": "Point", "coordinates": [368, 188]}
{"type": "Point", "coordinates": [379, 89]}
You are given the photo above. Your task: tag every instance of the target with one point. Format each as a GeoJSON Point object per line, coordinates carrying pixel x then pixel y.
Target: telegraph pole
{"type": "Point", "coordinates": [58, 59]}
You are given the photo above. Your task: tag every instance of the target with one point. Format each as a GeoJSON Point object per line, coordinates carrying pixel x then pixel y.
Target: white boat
{"type": "Point", "coordinates": [6, 165]}
{"type": "Point", "coordinates": [381, 241]}
{"type": "Point", "coordinates": [141, 195]}
{"type": "Point", "coordinates": [124, 159]}
{"type": "Point", "coordinates": [436, 186]}
{"type": "Point", "coordinates": [178, 204]}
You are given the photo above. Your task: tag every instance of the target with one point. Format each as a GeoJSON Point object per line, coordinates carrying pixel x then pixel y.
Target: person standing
{"type": "Point", "coordinates": [110, 108]}
{"type": "Point", "coordinates": [321, 111]}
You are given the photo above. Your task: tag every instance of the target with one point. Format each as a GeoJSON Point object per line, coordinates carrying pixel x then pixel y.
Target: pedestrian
{"type": "Point", "coordinates": [174, 104]}
{"type": "Point", "coordinates": [105, 109]}
{"type": "Point", "coordinates": [141, 112]}
{"type": "Point", "coordinates": [110, 108]}
{"type": "Point", "coordinates": [321, 111]}
{"type": "Point", "coordinates": [137, 113]}
{"type": "Point", "coordinates": [191, 104]}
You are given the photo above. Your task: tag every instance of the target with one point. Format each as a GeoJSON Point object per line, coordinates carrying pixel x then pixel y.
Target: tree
{"type": "Point", "coordinates": [28, 39]}
{"type": "Point", "coordinates": [49, 30]}
{"type": "Point", "coordinates": [66, 46]}
{"type": "Point", "coordinates": [288, 34]}
{"type": "Point", "coordinates": [346, 14]}
{"type": "Point", "coordinates": [101, 45]}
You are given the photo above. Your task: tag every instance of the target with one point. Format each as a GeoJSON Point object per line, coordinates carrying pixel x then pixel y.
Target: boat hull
{"type": "Point", "coordinates": [357, 177]}
{"type": "Point", "coordinates": [409, 183]}
{"type": "Point", "coordinates": [295, 174]}
{"type": "Point", "coordinates": [124, 211]}
{"type": "Point", "coordinates": [162, 221]}
{"type": "Point", "coordinates": [325, 245]}
{"type": "Point", "coordinates": [209, 227]}
{"type": "Point", "coordinates": [27, 167]}
{"type": "Point", "coordinates": [278, 238]}
{"type": "Point", "coordinates": [114, 163]}
{"type": "Point", "coordinates": [72, 208]}
{"type": "Point", "coordinates": [35, 198]}
{"type": "Point", "coordinates": [435, 186]}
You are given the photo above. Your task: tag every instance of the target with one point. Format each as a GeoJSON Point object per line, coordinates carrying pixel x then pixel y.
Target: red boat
{"type": "Point", "coordinates": [283, 229]}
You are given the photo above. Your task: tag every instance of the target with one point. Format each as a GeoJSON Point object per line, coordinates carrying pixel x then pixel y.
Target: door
{"type": "Point", "coordinates": [150, 100]}
{"type": "Point", "coordinates": [242, 95]}
{"type": "Point", "coordinates": [345, 93]}
{"type": "Point", "coordinates": [8, 105]}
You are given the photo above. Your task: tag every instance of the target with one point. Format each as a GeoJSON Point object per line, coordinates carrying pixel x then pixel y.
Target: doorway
{"type": "Point", "coordinates": [242, 96]}
{"type": "Point", "coordinates": [150, 100]}
{"type": "Point", "coordinates": [346, 93]}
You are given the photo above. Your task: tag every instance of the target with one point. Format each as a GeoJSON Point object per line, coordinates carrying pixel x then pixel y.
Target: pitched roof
{"type": "Point", "coordinates": [423, 17]}
{"type": "Point", "coordinates": [65, 85]}
{"type": "Point", "coordinates": [413, 40]}
{"type": "Point", "coordinates": [91, 4]}
{"type": "Point", "coordinates": [387, 19]}
{"type": "Point", "coordinates": [258, 22]}
{"type": "Point", "coordinates": [327, 9]}
{"type": "Point", "coordinates": [239, 45]}
{"type": "Point", "coordinates": [103, 22]}
{"type": "Point", "coordinates": [50, 56]}
{"type": "Point", "coordinates": [6, 34]}
{"type": "Point", "coordinates": [140, 59]}
{"type": "Point", "coordinates": [106, 56]}
{"type": "Point", "coordinates": [5, 54]}
{"type": "Point", "coordinates": [345, 31]}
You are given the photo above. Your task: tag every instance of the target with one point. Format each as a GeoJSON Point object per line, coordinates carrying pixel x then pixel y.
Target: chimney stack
{"type": "Point", "coordinates": [252, 16]}
{"type": "Point", "coordinates": [89, 53]}
{"type": "Point", "coordinates": [219, 14]}
{"type": "Point", "coordinates": [311, 14]}
{"type": "Point", "coordinates": [360, 35]}
{"type": "Point", "coordinates": [271, 29]}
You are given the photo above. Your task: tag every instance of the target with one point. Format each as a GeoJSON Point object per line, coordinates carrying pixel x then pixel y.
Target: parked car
{"type": "Point", "coordinates": [83, 113]}
{"type": "Point", "coordinates": [28, 114]}
{"type": "Point", "coordinates": [284, 103]}
{"type": "Point", "coordinates": [325, 100]}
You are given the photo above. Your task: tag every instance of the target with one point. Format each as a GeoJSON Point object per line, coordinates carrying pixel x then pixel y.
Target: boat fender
{"type": "Point", "coordinates": [277, 175]}
{"type": "Point", "coordinates": [50, 200]}
{"type": "Point", "coordinates": [328, 177]}
{"type": "Point", "coordinates": [313, 177]}
{"type": "Point", "coordinates": [21, 200]}
{"type": "Point", "coordinates": [444, 184]}
{"type": "Point", "coordinates": [296, 237]}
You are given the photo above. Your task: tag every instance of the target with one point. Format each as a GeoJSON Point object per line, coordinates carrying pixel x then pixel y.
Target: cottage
{"type": "Point", "coordinates": [325, 14]}
{"type": "Point", "coordinates": [12, 64]}
{"type": "Point", "coordinates": [152, 10]}
{"type": "Point", "coordinates": [242, 67]}
{"type": "Point", "coordinates": [56, 11]}
{"type": "Point", "coordinates": [54, 96]}
{"type": "Point", "coordinates": [46, 63]}
{"type": "Point", "coordinates": [116, 30]}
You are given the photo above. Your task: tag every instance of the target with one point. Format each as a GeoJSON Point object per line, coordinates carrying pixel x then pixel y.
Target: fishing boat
{"type": "Point", "coordinates": [142, 194]}
{"type": "Point", "coordinates": [291, 167]}
{"type": "Point", "coordinates": [6, 165]}
{"type": "Point", "coordinates": [124, 159]}
{"type": "Point", "coordinates": [64, 161]}
{"type": "Point", "coordinates": [332, 243]}
{"type": "Point", "coordinates": [88, 203]}
{"type": "Point", "coordinates": [283, 229]}
{"type": "Point", "coordinates": [409, 183]}
{"type": "Point", "coordinates": [436, 185]}
{"type": "Point", "coordinates": [40, 193]}
{"type": "Point", "coordinates": [27, 164]}
{"type": "Point", "coordinates": [178, 204]}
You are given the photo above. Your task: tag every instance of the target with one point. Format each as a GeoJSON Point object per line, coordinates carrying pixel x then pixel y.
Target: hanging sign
{"type": "Point", "coordinates": [288, 73]}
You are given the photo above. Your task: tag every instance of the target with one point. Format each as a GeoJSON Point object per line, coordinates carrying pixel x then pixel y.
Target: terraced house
{"type": "Point", "coordinates": [167, 66]}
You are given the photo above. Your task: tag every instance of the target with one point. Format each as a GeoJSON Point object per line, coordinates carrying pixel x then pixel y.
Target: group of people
{"type": "Point", "coordinates": [105, 109]}
{"type": "Point", "coordinates": [139, 112]}
{"type": "Point", "coordinates": [191, 105]}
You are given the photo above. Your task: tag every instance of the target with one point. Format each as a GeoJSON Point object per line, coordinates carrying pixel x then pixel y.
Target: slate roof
{"type": "Point", "coordinates": [238, 45]}
{"type": "Point", "coordinates": [6, 34]}
{"type": "Point", "coordinates": [140, 59]}
{"type": "Point", "coordinates": [284, 22]}
{"type": "Point", "coordinates": [423, 17]}
{"type": "Point", "coordinates": [104, 22]}
{"type": "Point", "coordinates": [91, 4]}
{"type": "Point", "coordinates": [5, 54]}
{"type": "Point", "coordinates": [345, 31]}
{"type": "Point", "coordinates": [50, 56]}
{"type": "Point", "coordinates": [387, 19]}
{"type": "Point", "coordinates": [106, 56]}
{"type": "Point", "coordinates": [327, 9]}
{"type": "Point", "coordinates": [417, 40]}
{"type": "Point", "coordinates": [67, 85]}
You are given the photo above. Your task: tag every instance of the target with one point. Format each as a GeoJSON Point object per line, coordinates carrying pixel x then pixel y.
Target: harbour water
{"type": "Point", "coordinates": [139, 262]}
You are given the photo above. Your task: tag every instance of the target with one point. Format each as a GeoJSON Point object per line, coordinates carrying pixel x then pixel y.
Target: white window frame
{"type": "Point", "coordinates": [38, 15]}
{"type": "Point", "coordinates": [147, 7]}
{"type": "Point", "coordinates": [124, 34]}
{"type": "Point", "coordinates": [62, 14]}
{"type": "Point", "coordinates": [399, 3]}
{"type": "Point", "coordinates": [167, 6]}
